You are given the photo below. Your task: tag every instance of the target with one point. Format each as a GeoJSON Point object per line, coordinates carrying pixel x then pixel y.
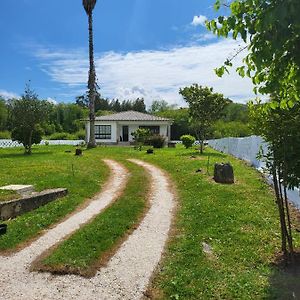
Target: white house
{"type": "Point", "coordinates": [117, 128]}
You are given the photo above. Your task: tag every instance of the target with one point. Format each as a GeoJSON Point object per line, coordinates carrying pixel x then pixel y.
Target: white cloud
{"type": "Point", "coordinates": [8, 95]}
{"type": "Point", "coordinates": [150, 74]}
{"type": "Point", "coordinates": [199, 20]}
{"type": "Point", "coordinates": [51, 100]}
{"type": "Point", "coordinates": [204, 37]}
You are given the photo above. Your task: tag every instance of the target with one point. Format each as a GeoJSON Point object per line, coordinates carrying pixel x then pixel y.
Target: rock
{"type": "Point", "coordinates": [223, 173]}
{"type": "Point", "coordinates": [208, 251]}
{"type": "Point", "coordinates": [207, 248]}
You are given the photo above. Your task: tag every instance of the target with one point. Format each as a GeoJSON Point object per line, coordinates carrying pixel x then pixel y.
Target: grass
{"type": "Point", "coordinates": [239, 221]}
{"type": "Point", "coordinates": [49, 167]}
{"type": "Point", "coordinates": [95, 242]}
{"type": "Point", "coordinates": [8, 195]}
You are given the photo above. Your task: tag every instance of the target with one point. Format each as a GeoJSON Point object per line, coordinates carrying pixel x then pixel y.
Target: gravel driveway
{"type": "Point", "coordinates": [128, 272]}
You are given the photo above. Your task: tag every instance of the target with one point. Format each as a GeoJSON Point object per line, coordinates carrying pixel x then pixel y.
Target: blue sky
{"type": "Point", "coordinates": [143, 48]}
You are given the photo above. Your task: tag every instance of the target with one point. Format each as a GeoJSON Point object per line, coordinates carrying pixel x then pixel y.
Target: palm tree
{"type": "Point", "coordinates": [89, 7]}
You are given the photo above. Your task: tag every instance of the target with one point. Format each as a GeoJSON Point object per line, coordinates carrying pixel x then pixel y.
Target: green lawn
{"type": "Point", "coordinates": [238, 221]}
{"type": "Point", "coordinates": [49, 167]}
{"type": "Point", "coordinates": [95, 242]}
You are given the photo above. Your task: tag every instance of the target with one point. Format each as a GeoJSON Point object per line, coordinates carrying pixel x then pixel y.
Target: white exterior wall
{"type": "Point", "coordinates": [116, 129]}
{"type": "Point", "coordinates": [134, 125]}
{"type": "Point", "coordinates": [113, 125]}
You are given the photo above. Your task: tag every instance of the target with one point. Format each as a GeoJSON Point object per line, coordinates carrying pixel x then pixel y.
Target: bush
{"type": "Point", "coordinates": [140, 137]}
{"type": "Point", "coordinates": [187, 140]}
{"type": "Point", "coordinates": [48, 128]}
{"type": "Point", "coordinates": [61, 136]}
{"type": "Point", "coordinates": [22, 135]}
{"type": "Point", "coordinates": [230, 129]}
{"type": "Point", "coordinates": [5, 134]}
{"type": "Point", "coordinates": [80, 135]}
{"type": "Point", "coordinates": [157, 141]}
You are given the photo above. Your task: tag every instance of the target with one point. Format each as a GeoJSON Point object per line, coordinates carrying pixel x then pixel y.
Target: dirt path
{"type": "Point", "coordinates": [127, 273]}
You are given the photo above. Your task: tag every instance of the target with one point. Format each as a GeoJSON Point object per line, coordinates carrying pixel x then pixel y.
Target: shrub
{"type": "Point", "coordinates": [157, 141]}
{"type": "Point", "coordinates": [61, 136]}
{"type": "Point", "coordinates": [80, 135]}
{"type": "Point", "coordinates": [27, 137]}
{"type": "Point", "coordinates": [187, 140]}
{"type": "Point", "coordinates": [5, 134]}
{"type": "Point", "coordinates": [140, 137]}
{"type": "Point", "coordinates": [48, 128]}
{"type": "Point", "coordinates": [230, 129]}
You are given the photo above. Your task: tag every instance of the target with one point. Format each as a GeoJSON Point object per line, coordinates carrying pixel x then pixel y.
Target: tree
{"type": "Point", "coordinates": [205, 107]}
{"type": "Point", "coordinates": [158, 106]}
{"type": "Point", "coordinates": [180, 119]}
{"type": "Point", "coordinates": [3, 114]}
{"type": "Point", "coordinates": [67, 117]}
{"type": "Point", "coordinates": [236, 112]}
{"type": "Point", "coordinates": [140, 136]}
{"type": "Point", "coordinates": [89, 6]}
{"type": "Point", "coordinates": [82, 101]}
{"type": "Point", "coordinates": [27, 115]}
{"type": "Point", "coordinates": [280, 128]}
{"type": "Point", "coordinates": [271, 32]}
{"type": "Point", "coordinates": [115, 105]}
{"type": "Point", "coordinates": [139, 105]}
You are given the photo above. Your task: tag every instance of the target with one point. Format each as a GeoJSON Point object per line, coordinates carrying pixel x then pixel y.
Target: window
{"type": "Point", "coordinates": [153, 129]}
{"type": "Point", "coordinates": [103, 132]}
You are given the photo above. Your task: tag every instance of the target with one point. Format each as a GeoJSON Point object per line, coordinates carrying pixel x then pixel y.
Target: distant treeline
{"type": "Point", "coordinates": [65, 119]}
{"type": "Point", "coordinates": [114, 105]}
{"type": "Point", "coordinates": [234, 121]}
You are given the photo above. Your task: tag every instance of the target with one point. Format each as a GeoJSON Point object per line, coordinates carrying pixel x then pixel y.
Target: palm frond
{"type": "Point", "coordinates": [89, 5]}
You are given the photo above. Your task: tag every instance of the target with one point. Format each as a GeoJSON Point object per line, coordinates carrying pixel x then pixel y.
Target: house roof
{"type": "Point", "coordinates": [131, 116]}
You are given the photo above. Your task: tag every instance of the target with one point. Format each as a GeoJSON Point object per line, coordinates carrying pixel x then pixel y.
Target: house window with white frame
{"type": "Point", "coordinates": [103, 132]}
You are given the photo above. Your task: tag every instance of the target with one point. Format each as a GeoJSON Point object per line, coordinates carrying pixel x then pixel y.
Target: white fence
{"type": "Point", "coordinates": [11, 144]}
{"type": "Point", "coordinates": [247, 149]}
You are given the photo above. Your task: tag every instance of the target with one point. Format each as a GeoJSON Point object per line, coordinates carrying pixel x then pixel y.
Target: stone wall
{"type": "Point", "coordinates": [14, 208]}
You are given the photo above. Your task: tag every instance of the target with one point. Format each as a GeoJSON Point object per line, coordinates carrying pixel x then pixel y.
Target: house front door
{"type": "Point", "coordinates": [125, 133]}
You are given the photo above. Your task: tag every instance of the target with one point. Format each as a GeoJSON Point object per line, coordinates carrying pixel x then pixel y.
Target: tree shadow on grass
{"type": "Point", "coordinates": [285, 280]}
{"type": "Point", "coordinates": [196, 153]}
{"type": "Point", "coordinates": [21, 154]}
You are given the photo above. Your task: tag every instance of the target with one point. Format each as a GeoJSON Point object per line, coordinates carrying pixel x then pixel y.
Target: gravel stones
{"type": "Point", "coordinates": [128, 272]}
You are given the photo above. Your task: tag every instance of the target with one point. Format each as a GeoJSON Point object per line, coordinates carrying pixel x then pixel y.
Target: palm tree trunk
{"type": "Point", "coordinates": [91, 85]}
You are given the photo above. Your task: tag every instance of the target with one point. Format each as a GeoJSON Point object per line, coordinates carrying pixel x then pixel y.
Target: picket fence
{"type": "Point", "coordinates": [11, 144]}
{"type": "Point", "coordinates": [247, 149]}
